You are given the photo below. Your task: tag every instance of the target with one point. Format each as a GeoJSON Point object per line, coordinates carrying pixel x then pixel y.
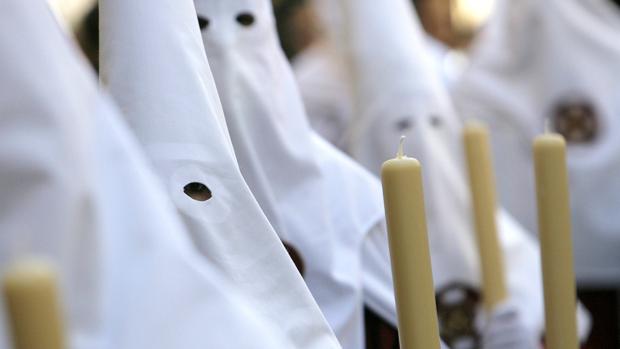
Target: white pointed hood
{"type": "Point", "coordinates": [153, 62]}
{"type": "Point", "coordinates": [319, 200]}
{"type": "Point", "coordinates": [555, 61]}
{"type": "Point", "coordinates": [76, 191]}
{"type": "Point", "coordinates": [397, 91]}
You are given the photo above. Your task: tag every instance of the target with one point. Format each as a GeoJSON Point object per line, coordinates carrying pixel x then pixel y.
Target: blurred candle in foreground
{"type": "Point", "coordinates": [409, 251]}
{"type": "Point", "coordinates": [482, 186]}
{"type": "Point", "coordinates": [555, 241]}
{"type": "Point", "coordinates": [33, 308]}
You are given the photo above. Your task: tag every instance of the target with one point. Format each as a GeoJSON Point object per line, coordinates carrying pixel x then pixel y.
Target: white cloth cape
{"type": "Point", "coordinates": [531, 58]}
{"type": "Point", "coordinates": [76, 191]}
{"type": "Point", "coordinates": [318, 200]}
{"type": "Point", "coordinates": [153, 62]}
{"type": "Point", "coordinates": [397, 91]}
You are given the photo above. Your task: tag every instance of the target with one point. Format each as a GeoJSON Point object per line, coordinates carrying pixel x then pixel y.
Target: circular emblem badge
{"type": "Point", "coordinates": [576, 120]}
{"type": "Point", "coordinates": [457, 306]}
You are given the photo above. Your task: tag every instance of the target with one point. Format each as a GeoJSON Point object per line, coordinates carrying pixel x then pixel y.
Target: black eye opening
{"type": "Point", "coordinates": [404, 124]}
{"type": "Point", "coordinates": [203, 22]}
{"type": "Point", "coordinates": [198, 191]}
{"type": "Point", "coordinates": [246, 19]}
{"type": "Point", "coordinates": [436, 121]}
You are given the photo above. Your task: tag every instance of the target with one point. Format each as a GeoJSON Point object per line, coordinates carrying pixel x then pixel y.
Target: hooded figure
{"type": "Point", "coordinates": [319, 200]}
{"type": "Point", "coordinates": [76, 191]}
{"type": "Point", "coordinates": [153, 62]}
{"type": "Point", "coordinates": [323, 76]}
{"type": "Point", "coordinates": [397, 91]}
{"type": "Point", "coordinates": [554, 65]}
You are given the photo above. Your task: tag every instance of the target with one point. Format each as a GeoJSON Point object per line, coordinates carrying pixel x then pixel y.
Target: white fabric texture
{"type": "Point", "coordinates": [531, 58]}
{"type": "Point", "coordinates": [504, 330]}
{"type": "Point", "coordinates": [321, 76]}
{"type": "Point", "coordinates": [398, 92]}
{"type": "Point", "coordinates": [318, 199]}
{"type": "Point", "coordinates": [153, 62]}
{"type": "Point", "coordinates": [76, 191]}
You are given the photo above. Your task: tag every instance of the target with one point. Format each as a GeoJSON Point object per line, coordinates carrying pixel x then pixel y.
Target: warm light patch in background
{"type": "Point", "coordinates": [469, 15]}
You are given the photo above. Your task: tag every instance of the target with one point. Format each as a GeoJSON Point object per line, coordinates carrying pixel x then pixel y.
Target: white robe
{"type": "Point", "coordinates": [319, 200]}
{"type": "Point", "coordinates": [153, 62]}
{"type": "Point", "coordinates": [397, 90]}
{"type": "Point", "coordinates": [77, 191]}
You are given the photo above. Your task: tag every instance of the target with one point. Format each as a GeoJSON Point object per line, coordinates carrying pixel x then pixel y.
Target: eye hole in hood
{"type": "Point", "coordinates": [203, 22]}
{"type": "Point", "coordinates": [198, 191]}
{"type": "Point", "coordinates": [246, 19]}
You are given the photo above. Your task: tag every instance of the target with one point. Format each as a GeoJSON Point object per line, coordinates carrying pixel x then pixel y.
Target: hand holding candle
{"type": "Point", "coordinates": [482, 185]}
{"type": "Point", "coordinates": [409, 251]}
{"type": "Point", "coordinates": [32, 304]}
{"type": "Point", "coordinates": [554, 223]}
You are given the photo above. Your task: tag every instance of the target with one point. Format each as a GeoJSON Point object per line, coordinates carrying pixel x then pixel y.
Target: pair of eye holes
{"type": "Point", "coordinates": [406, 123]}
{"type": "Point", "coordinates": [246, 19]}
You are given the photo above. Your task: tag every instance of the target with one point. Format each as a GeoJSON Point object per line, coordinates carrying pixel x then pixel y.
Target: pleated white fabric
{"type": "Point", "coordinates": [153, 62]}
{"type": "Point", "coordinates": [318, 199]}
{"type": "Point", "coordinates": [555, 63]}
{"type": "Point", "coordinates": [76, 190]}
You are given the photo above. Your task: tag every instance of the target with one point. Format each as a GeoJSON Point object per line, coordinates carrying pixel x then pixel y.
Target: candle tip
{"type": "Point", "coordinates": [401, 152]}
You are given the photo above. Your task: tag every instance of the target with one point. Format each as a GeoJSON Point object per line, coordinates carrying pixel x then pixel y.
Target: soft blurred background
{"type": "Point", "coordinates": [452, 22]}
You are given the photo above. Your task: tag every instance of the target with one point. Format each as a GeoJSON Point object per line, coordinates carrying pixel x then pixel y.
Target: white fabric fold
{"type": "Point", "coordinates": [153, 62]}
{"type": "Point", "coordinates": [318, 199]}
{"type": "Point", "coordinates": [76, 191]}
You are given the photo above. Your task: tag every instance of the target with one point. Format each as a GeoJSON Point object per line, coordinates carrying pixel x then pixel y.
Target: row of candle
{"type": "Point", "coordinates": [410, 254]}
{"type": "Point", "coordinates": [35, 317]}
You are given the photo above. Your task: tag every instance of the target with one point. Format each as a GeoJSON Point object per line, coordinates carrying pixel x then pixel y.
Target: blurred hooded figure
{"type": "Point", "coordinates": [395, 91]}
{"type": "Point", "coordinates": [328, 207]}
{"type": "Point", "coordinates": [322, 76]}
{"type": "Point", "coordinates": [553, 65]}
{"type": "Point", "coordinates": [76, 191]}
{"type": "Point", "coordinates": [154, 63]}
{"type": "Point", "coordinates": [322, 203]}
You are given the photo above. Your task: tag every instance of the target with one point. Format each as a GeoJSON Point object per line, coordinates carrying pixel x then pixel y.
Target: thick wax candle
{"type": "Point", "coordinates": [409, 251]}
{"type": "Point", "coordinates": [482, 186]}
{"type": "Point", "coordinates": [33, 308]}
{"type": "Point", "coordinates": [555, 241]}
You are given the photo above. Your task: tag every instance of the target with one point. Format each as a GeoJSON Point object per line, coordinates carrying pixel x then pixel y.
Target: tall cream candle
{"type": "Point", "coordinates": [32, 303]}
{"type": "Point", "coordinates": [482, 186]}
{"type": "Point", "coordinates": [554, 221]}
{"type": "Point", "coordinates": [409, 251]}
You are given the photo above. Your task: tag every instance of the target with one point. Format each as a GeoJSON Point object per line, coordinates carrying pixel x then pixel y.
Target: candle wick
{"type": "Point", "coordinates": [401, 152]}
